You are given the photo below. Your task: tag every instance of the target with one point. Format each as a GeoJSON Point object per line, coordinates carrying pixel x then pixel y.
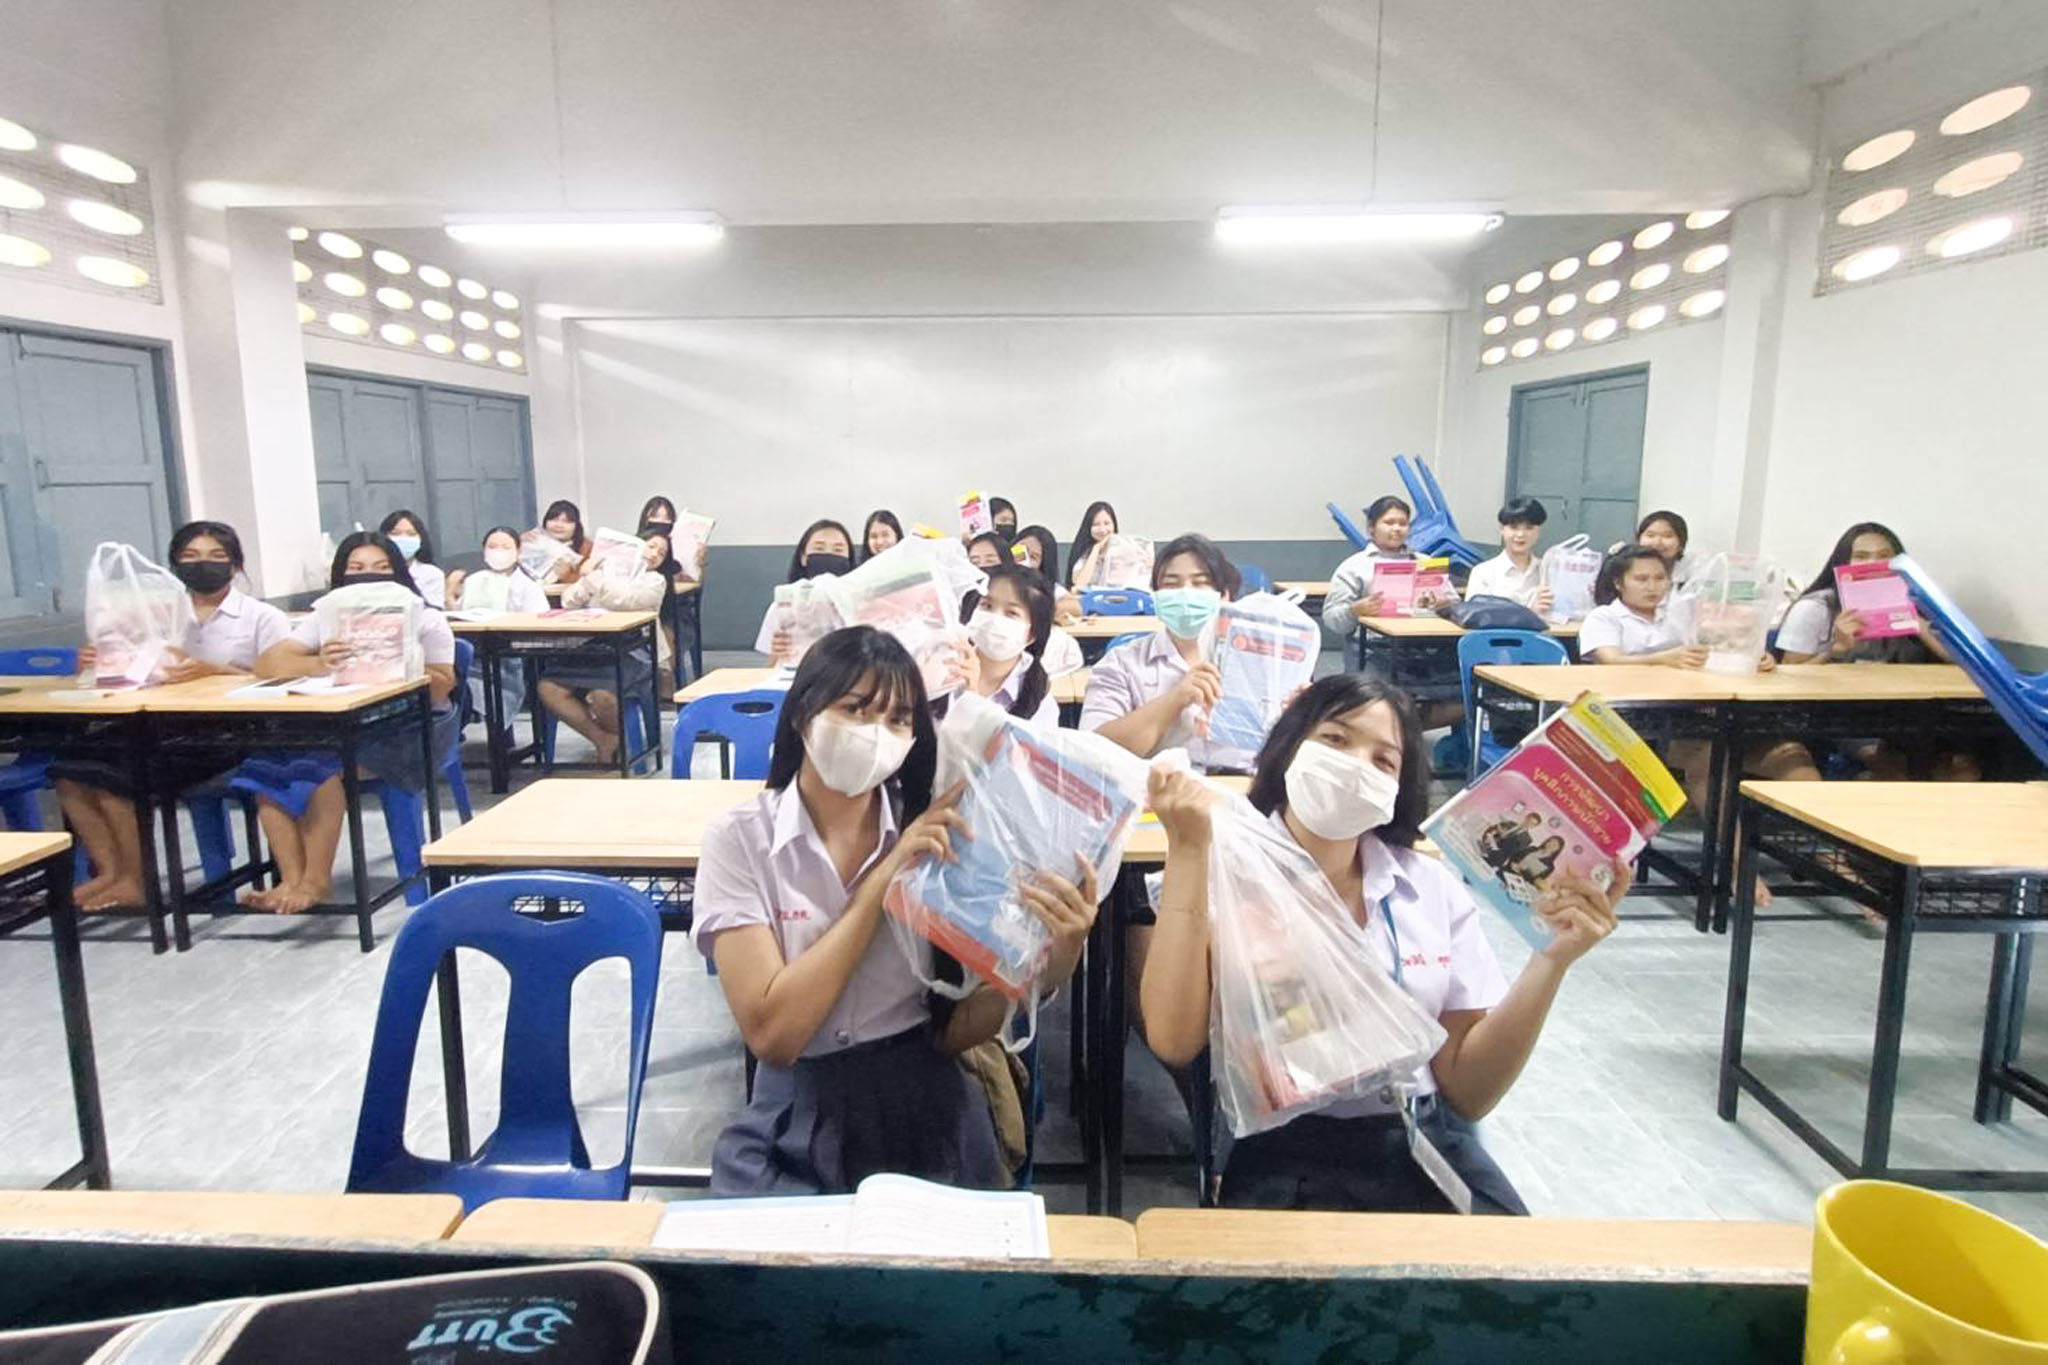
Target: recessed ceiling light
{"type": "Point", "coordinates": [398, 334]}
{"type": "Point", "coordinates": [435, 277]}
{"type": "Point", "coordinates": [506, 328]}
{"type": "Point", "coordinates": [1604, 254]}
{"type": "Point", "coordinates": [1523, 349]}
{"type": "Point", "coordinates": [107, 270]}
{"type": "Point", "coordinates": [15, 195]}
{"type": "Point", "coordinates": [1561, 338]}
{"type": "Point", "coordinates": [1706, 258]}
{"type": "Point", "coordinates": [1704, 304]}
{"type": "Point", "coordinates": [1985, 110]}
{"type": "Point", "coordinates": [104, 218]}
{"type": "Point", "coordinates": [470, 289]}
{"type": "Point", "coordinates": [475, 350]}
{"type": "Point", "coordinates": [1703, 219]}
{"type": "Point", "coordinates": [1645, 318]}
{"type": "Point", "coordinates": [1981, 174]}
{"type": "Point", "coordinates": [1871, 207]}
{"type": "Point", "coordinates": [337, 244]}
{"type": "Point", "coordinates": [1494, 325]}
{"type": "Point", "coordinates": [302, 272]}
{"type": "Point", "coordinates": [1872, 260]}
{"type": "Point", "coordinates": [390, 262]}
{"type": "Point", "coordinates": [1562, 304]}
{"type": "Point", "coordinates": [439, 344]}
{"type": "Point", "coordinates": [349, 323]}
{"type": "Point", "coordinates": [1527, 314]}
{"type": "Point", "coordinates": [1599, 329]}
{"type": "Point", "coordinates": [700, 229]}
{"type": "Point", "coordinates": [511, 360]}
{"type": "Point", "coordinates": [437, 310]}
{"type": "Point", "coordinates": [20, 251]}
{"type": "Point", "coordinates": [343, 283]}
{"type": "Point", "coordinates": [1650, 276]}
{"type": "Point", "coordinates": [505, 299]}
{"type": "Point", "coordinates": [1655, 235]}
{"type": "Point", "coordinates": [1498, 292]}
{"type": "Point", "coordinates": [1493, 355]}
{"type": "Point", "coordinates": [1529, 283]}
{"type": "Point", "coordinates": [15, 138]}
{"type": "Point", "coordinates": [96, 163]}
{"type": "Point", "coordinates": [296, 234]}
{"type": "Point", "coordinates": [1603, 291]}
{"type": "Point", "coordinates": [1970, 237]}
{"type": "Point", "coordinates": [308, 313]}
{"type": "Point", "coordinates": [475, 321]}
{"type": "Point", "coordinates": [395, 298]}
{"type": "Point", "coordinates": [1565, 268]}
{"type": "Point", "coordinates": [1880, 149]}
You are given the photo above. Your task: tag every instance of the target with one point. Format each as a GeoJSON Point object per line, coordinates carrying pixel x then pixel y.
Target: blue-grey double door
{"type": "Point", "coordinates": [1577, 446]}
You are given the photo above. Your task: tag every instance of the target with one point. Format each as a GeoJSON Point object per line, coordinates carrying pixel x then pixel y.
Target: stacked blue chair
{"type": "Point", "coordinates": [1252, 578]}
{"type": "Point", "coordinates": [2021, 699]}
{"type": "Point", "coordinates": [23, 780]}
{"type": "Point", "coordinates": [1115, 602]}
{"type": "Point", "coordinates": [1359, 539]}
{"type": "Point", "coordinates": [1432, 531]}
{"type": "Point", "coordinates": [1498, 647]}
{"type": "Point", "coordinates": [537, 1150]}
{"type": "Point", "coordinates": [745, 721]}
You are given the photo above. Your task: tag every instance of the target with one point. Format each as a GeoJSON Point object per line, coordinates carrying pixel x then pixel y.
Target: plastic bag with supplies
{"type": "Point", "coordinates": [1570, 569]}
{"type": "Point", "coordinates": [1304, 1012]}
{"type": "Point", "coordinates": [1034, 800]}
{"type": "Point", "coordinates": [1125, 562]}
{"type": "Point", "coordinates": [1729, 605]}
{"type": "Point", "coordinates": [543, 557]}
{"type": "Point", "coordinates": [617, 555]}
{"type": "Point", "coordinates": [1265, 647]}
{"type": "Point", "coordinates": [136, 613]}
{"type": "Point", "coordinates": [913, 591]}
{"type": "Point", "coordinates": [379, 622]}
{"type": "Point", "coordinates": [805, 612]}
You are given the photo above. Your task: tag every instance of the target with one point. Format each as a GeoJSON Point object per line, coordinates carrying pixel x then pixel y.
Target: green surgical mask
{"type": "Point", "coordinates": [1185, 611]}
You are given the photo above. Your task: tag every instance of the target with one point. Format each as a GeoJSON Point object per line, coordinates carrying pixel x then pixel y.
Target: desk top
{"type": "Point", "coordinates": [1147, 846]}
{"type": "Point", "coordinates": [1625, 683]}
{"type": "Point", "coordinates": [1068, 688]}
{"type": "Point", "coordinates": [533, 623]}
{"type": "Point", "coordinates": [1517, 1245]}
{"type": "Point", "coordinates": [19, 850]}
{"type": "Point", "coordinates": [1433, 627]}
{"type": "Point", "coordinates": [347, 1217]}
{"type": "Point", "coordinates": [210, 695]}
{"type": "Point", "coordinates": [1109, 627]}
{"type": "Point", "coordinates": [1858, 682]}
{"type": "Point", "coordinates": [1924, 824]}
{"type": "Point", "coordinates": [576, 1222]}
{"type": "Point", "coordinates": [1307, 587]}
{"type": "Point", "coordinates": [1620, 683]}
{"type": "Point", "coordinates": [562, 822]}
{"type": "Point", "coordinates": [45, 696]}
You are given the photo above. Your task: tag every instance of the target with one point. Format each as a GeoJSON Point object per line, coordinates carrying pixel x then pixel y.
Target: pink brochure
{"type": "Point", "coordinates": [1878, 596]}
{"type": "Point", "coordinates": [1393, 582]}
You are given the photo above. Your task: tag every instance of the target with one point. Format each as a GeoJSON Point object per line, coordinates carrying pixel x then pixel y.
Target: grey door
{"type": "Point", "coordinates": [367, 447]}
{"type": "Point", "coordinates": [1577, 445]}
{"type": "Point", "coordinates": [477, 463]}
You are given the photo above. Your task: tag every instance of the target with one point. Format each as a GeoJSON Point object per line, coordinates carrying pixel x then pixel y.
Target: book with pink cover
{"type": "Point", "coordinates": [1879, 598]}
{"type": "Point", "coordinates": [974, 515]}
{"type": "Point", "coordinates": [1405, 587]}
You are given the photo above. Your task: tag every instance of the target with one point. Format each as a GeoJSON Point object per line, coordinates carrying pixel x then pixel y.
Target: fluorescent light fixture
{"type": "Point", "coordinates": [614, 231]}
{"type": "Point", "coordinates": [1314, 224]}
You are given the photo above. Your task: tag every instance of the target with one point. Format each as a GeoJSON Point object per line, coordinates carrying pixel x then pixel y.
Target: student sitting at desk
{"type": "Point", "coordinates": [501, 584]}
{"type": "Point", "coordinates": [299, 798]}
{"type": "Point", "coordinates": [1098, 524]}
{"type": "Point", "coordinates": [1035, 548]}
{"type": "Point", "coordinates": [1351, 599]}
{"type": "Point", "coordinates": [1140, 694]}
{"type": "Point", "coordinates": [1345, 773]}
{"type": "Point", "coordinates": [1515, 573]}
{"type": "Point", "coordinates": [882, 531]}
{"type": "Point", "coordinates": [564, 521]}
{"type": "Point", "coordinates": [988, 550]}
{"type": "Point", "coordinates": [230, 631]}
{"type": "Point", "coordinates": [858, 1062]}
{"type": "Point", "coordinates": [1668, 535]}
{"type": "Point", "coordinates": [659, 511]}
{"type": "Point", "coordinates": [583, 696]}
{"type": "Point", "coordinates": [825, 547]}
{"type": "Point", "coordinates": [1010, 624]}
{"type": "Point", "coordinates": [1002, 516]}
{"type": "Point", "coordinates": [409, 534]}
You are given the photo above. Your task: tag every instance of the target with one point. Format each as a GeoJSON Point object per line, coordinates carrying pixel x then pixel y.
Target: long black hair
{"type": "Point", "coordinates": [647, 510]}
{"type": "Point", "coordinates": [835, 666]}
{"type": "Point", "coordinates": [1844, 547]}
{"type": "Point", "coordinates": [861, 554]}
{"type": "Point", "coordinates": [401, 572]}
{"type": "Point", "coordinates": [796, 556]}
{"type": "Point", "coordinates": [1048, 548]}
{"type": "Point", "coordinates": [1607, 587]}
{"type": "Point", "coordinates": [1223, 575]}
{"type": "Point", "coordinates": [562, 507]}
{"type": "Point", "coordinates": [391, 519]}
{"type": "Point", "coordinates": [1675, 522]}
{"type": "Point", "coordinates": [1084, 539]}
{"type": "Point", "coordinates": [1337, 695]}
{"type": "Point", "coordinates": [996, 543]}
{"type": "Point", "coordinates": [1034, 590]}
{"type": "Point", "coordinates": [998, 506]}
{"type": "Point", "coordinates": [213, 530]}
{"type": "Point", "coordinates": [1380, 507]}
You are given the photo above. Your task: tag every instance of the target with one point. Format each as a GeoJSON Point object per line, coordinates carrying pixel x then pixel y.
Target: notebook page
{"type": "Point", "coordinates": [897, 1215]}
{"type": "Point", "coordinates": [813, 1225]}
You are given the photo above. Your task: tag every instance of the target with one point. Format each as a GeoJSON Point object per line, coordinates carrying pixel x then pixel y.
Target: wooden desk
{"type": "Point", "coordinates": [338, 1217]}
{"type": "Point", "coordinates": [1071, 689]}
{"type": "Point", "coordinates": [1095, 632]}
{"type": "Point", "coordinates": [1434, 627]}
{"type": "Point", "coordinates": [1515, 1246]}
{"type": "Point", "coordinates": [1850, 683]}
{"type": "Point", "coordinates": [631, 1223]}
{"type": "Point", "coordinates": [724, 681]}
{"type": "Point", "coordinates": [35, 884]}
{"type": "Point", "coordinates": [609, 637]}
{"type": "Point", "coordinates": [1619, 684]}
{"type": "Point", "coordinates": [1309, 588]}
{"type": "Point", "coordinates": [644, 827]}
{"type": "Point", "coordinates": [1930, 857]}
{"type": "Point", "coordinates": [210, 696]}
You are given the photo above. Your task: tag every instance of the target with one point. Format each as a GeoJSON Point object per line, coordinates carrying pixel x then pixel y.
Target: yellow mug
{"type": "Point", "coordinates": [1901, 1274]}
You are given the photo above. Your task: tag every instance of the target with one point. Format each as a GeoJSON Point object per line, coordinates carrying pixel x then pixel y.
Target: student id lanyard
{"type": "Point", "coordinates": [1420, 1147]}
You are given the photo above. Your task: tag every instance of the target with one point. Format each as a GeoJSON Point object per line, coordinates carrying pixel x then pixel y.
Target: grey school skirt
{"type": "Point", "coordinates": [1363, 1164]}
{"type": "Point", "coordinates": [894, 1105]}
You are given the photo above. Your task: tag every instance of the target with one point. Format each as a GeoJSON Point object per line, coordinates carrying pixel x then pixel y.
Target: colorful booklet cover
{"type": "Point", "coordinates": [1581, 792]}
{"type": "Point", "coordinates": [1265, 649]}
{"type": "Point", "coordinates": [1406, 586]}
{"type": "Point", "coordinates": [376, 637]}
{"type": "Point", "coordinates": [974, 516]}
{"type": "Point", "coordinates": [1879, 598]}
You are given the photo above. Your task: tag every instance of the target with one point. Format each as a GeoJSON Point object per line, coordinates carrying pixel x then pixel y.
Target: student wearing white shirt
{"type": "Point", "coordinates": [1515, 573]}
{"type": "Point", "coordinates": [1345, 773]}
{"type": "Point", "coordinates": [582, 697]}
{"type": "Point", "coordinates": [1008, 626]}
{"type": "Point", "coordinates": [859, 1069]}
{"type": "Point", "coordinates": [1351, 599]}
{"type": "Point", "coordinates": [1667, 534]}
{"type": "Point", "coordinates": [825, 547]}
{"type": "Point", "coordinates": [1140, 693]}
{"type": "Point", "coordinates": [501, 584]}
{"type": "Point", "coordinates": [409, 534]}
{"type": "Point", "coordinates": [230, 630]}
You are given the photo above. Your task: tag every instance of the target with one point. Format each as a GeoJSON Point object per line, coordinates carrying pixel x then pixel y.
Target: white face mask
{"type": "Point", "coordinates": [1337, 796]}
{"type": "Point", "coordinates": [999, 637]}
{"type": "Point", "coordinates": [854, 757]}
{"type": "Point", "coordinates": [500, 558]}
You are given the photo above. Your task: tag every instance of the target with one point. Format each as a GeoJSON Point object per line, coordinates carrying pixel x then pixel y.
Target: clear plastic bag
{"type": "Point", "coordinates": [1034, 800]}
{"type": "Point", "coordinates": [690, 542]}
{"type": "Point", "coordinates": [914, 590]}
{"type": "Point", "coordinates": [1728, 605]}
{"type": "Point", "coordinates": [136, 613]}
{"type": "Point", "coordinates": [1265, 647]}
{"type": "Point", "coordinates": [805, 612]}
{"type": "Point", "coordinates": [380, 623]}
{"type": "Point", "coordinates": [544, 557]}
{"type": "Point", "coordinates": [486, 591]}
{"type": "Point", "coordinates": [616, 555]}
{"type": "Point", "coordinates": [1125, 562]}
{"type": "Point", "coordinates": [1570, 569]}
{"type": "Point", "coordinates": [1303, 1013]}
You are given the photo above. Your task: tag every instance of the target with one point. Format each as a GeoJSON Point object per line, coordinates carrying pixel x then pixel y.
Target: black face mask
{"type": "Point", "coordinates": [204, 576]}
{"type": "Point", "coordinates": [823, 563]}
{"type": "Point", "coordinates": [1008, 533]}
{"type": "Point", "coordinates": [349, 580]}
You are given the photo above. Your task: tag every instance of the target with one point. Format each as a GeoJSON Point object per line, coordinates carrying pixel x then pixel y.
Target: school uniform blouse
{"type": "Point", "coordinates": [765, 863]}
{"type": "Point", "coordinates": [644, 591]}
{"type": "Point", "coordinates": [1614, 626]}
{"type": "Point", "coordinates": [432, 583]}
{"type": "Point", "coordinates": [239, 630]}
{"type": "Point", "coordinates": [522, 593]}
{"type": "Point", "coordinates": [1062, 654]}
{"type": "Point", "coordinates": [1809, 628]}
{"type": "Point", "coordinates": [1129, 677]}
{"type": "Point", "coordinates": [437, 641]}
{"type": "Point", "coordinates": [1498, 577]}
{"type": "Point", "coordinates": [1351, 583]}
{"type": "Point", "coordinates": [1047, 716]}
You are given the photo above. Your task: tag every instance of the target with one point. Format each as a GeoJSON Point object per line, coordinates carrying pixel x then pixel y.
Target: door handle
{"type": "Point", "coordinates": [42, 474]}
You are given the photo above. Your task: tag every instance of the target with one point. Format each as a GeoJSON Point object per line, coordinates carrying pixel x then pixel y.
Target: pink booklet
{"type": "Point", "coordinates": [1878, 596]}
{"type": "Point", "coordinates": [1405, 586]}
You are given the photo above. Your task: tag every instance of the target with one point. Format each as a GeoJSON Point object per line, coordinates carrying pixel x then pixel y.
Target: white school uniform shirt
{"type": "Point", "coordinates": [1132, 675]}
{"type": "Point", "coordinates": [522, 593]}
{"type": "Point", "coordinates": [1062, 654]}
{"type": "Point", "coordinates": [1498, 577]}
{"type": "Point", "coordinates": [239, 630]}
{"type": "Point", "coordinates": [1809, 626]}
{"type": "Point", "coordinates": [765, 863]}
{"type": "Point", "coordinates": [644, 591]}
{"type": "Point", "coordinates": [437, 641]}
{"type": "Point", "coordinates": [432, 583]}
{"type": "Point", "coordinates": [1614, 626]}
{"type": "Point", "coordinates": [1047, 716]}
{"type": "Point", "coordinates": [1351, 582]}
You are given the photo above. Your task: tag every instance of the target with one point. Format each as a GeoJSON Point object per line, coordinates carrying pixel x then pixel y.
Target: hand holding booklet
{"type": "Point", "coordinates": [1879, 598]}
{"type": "Point", "coordinates": [890, 1215]}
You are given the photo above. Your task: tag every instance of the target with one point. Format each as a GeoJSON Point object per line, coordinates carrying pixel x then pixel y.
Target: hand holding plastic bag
{"type": "Point", "coordinates": [136, 615]}
{"type": "Point", "coordinates": [913, 591]}
{"type": "Point", "coordinates": [1570, 569]}
{"type": "Point", "coordinates": [1728, 607]}
{"type": "Point", "coordinates": [377, 624]}
{"type": "Point", "coordinates": [1264, 649]}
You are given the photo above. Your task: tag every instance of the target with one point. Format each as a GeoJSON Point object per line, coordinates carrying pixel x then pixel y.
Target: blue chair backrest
{"type": "Point", "coordinates": [744, 720]}
{"type": "Point", "coordinates": [1127, 638]}
{"type": "Point", "coordinates": [1359, 539]}
{"type": "Point", "coordinates": [1419, 492]}
{"type": "Point", "coordinates": [1252, 578]}
{"type": "Point", "coordinates": [1115, 602]}
{"type": "Point", "coordinates": [465, 656]}
{"type": "Point", "coordinates": [2021, 699]}
{"type": "Point", "coordinates": [49, 661]}
{"type": "Point", "coordinates": [1477, 647]}
{"type": "Point", "coordinates": [538, 1146]}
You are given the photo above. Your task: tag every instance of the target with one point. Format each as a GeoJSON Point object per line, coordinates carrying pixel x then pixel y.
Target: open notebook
{"type": "Point", "coordinates": [890, 1215]}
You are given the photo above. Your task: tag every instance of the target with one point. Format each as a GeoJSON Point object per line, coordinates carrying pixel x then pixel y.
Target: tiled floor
{"type": "Point", "coordinates": [239, 1065]}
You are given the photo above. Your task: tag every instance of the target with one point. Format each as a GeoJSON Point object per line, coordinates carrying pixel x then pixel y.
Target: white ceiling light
{"type": "Point", "coordinates": [511, 360]}
{"type": "Point", "coordinates": [96, 163]}
{"type": "Point", "coordinates": [437, 310]}
{"type": "Point", "coordinates": [1872, 260]}
{"type": "Point", "coordinates": [506, 328]}
{"type": "Point", "coordinates": [1523, 349]}
{"type": "Point", "coordinates": [1604, 254]}
{"type": "Point", "coordinates": [475, 321]}
{"type": "Point", "coordinates": [296, 234]}
{"type": "Point", "coordinates": [1565, 268]}
{"type": "Point", "coordinates": [394, 298]}
{"type": "Point", "coordinates": [15, 138]}
{"type": "Point", "coordinates": [398, 334]}
{"type": "Point", "coordinates": [1703, 219]}
{"type": "Point", "coordinates": [1880, 149]}
{"type": "Point", "coordinates": [302, 272]}
{"type": "Point", "coordinates": [1599, 329]}
{"type": "Point", "coordinates": [1495, 325]}
{"type": "Point", "coordinates": [439, 344]}
{"type": "Point", "coordinates": [1527, 314]}
{"type": "Point", "coordinates": [475, 350]}
{"type": "Point", "coordinates": [470, 289]}
{"type": "Point", "coordinates": [1498, 292]}
{"type": "Point", "coordinates": [307, 313]}
{"type": "Point", "coordinates": [1603, 291]}
{"type": "Point", "coordinates": [1985, 110]}
{"type": "Point", "coordinates": [350, 324]}
{"type": "Point", "coordinates": [1529, 283]}
{"type": "Point", "coordinates": [1493, 355]}
{"type": "Point", "coordinates": [1562, 304]}
{"type": "Point", "coordinates": [20, 251]}
{"type": "Point", "coordinates": [1704, 304]}
{"type": "Point", "coordinates": [107, 270]}
{"type": "Point", "coordinates": [15, 195]}
{"type": "Point", "coordinates": [104, 218]}
{"type": "Point", "coordinates": [505, 299]}
{"type": "Point", "coordinates": [345, 284]}
{"type": "Point", "coordinates": [1655, 235]}
{"type": "Point", "coordinates": [1561, 338]}
{"type": "Point", "coordinates": [1706, 258]}
{"type": "Point", "coordinates": [1981, 174]}
{"type": "Point", "coordinates": [336, 244]}
{"type": "Point", "coordinates": [1650, 276]}
{"type": "Point", "coordinates": [623, 232]}
{"type": "Point", "coordinates": [1643, 319]}
{"type": "Point", "coordinates": [435, 277]}
{"type": "Point", "coordinates": [390, 262]}
{"type": "Point", "coordinates": [1871, 207]}
{"type": "Point", "coordinates": [1970, 237]}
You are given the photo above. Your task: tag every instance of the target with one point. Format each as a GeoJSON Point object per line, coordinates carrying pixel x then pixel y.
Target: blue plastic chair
{"type": "Point", "coordinates": [1499, 647]}
{"type": "Point", "coordinates": [1432, 531]}
{"type": "Point", "coordinates": [1359, 539]}
{"type": "Point", "coordinates": [405, 812]}
{"type": "Point", "coordinates": [1252, 578]}
{"type": "Point", "coordinates": [744, 720]}
{"type": "Point", "coordinates": [1128, 637]}
{"type": "Point", "coordinates": [22, 781]}
{"type": "Point", "coordinates": [1115, 602]}
{"type": "Point", "coordinates": [636, 715]}
{"type": "Point", "coordinates": [2021, 699]}
{"type": "Point", "coordinates": [537, 1150]}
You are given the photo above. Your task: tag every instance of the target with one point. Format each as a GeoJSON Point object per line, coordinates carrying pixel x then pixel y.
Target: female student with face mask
{"type": "Point", "coordinates": [583, 697]}
{"type": "Point", "coordinates": [1345, 774]}
{"type": "Point", "coordinates": [1008, 627]}
{"type": "Point", "coordinates": [1140, 693]}
{"type": "Point", "coordinates": [824, 547]}
{"type": "Point", "coordinates": [858, 1071]}
{"type": "Point", "coordinates": [409, 534]}
{"type": "Point", "coordinates": [1002, 516]}
{"type": "Point", "coordinates": [501, 584]}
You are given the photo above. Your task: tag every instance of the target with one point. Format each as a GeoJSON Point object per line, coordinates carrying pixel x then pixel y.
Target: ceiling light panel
{"type": "Point", "coordinates": [64, 202]}
{"type": "Point", "coordinates": [354, 288]}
